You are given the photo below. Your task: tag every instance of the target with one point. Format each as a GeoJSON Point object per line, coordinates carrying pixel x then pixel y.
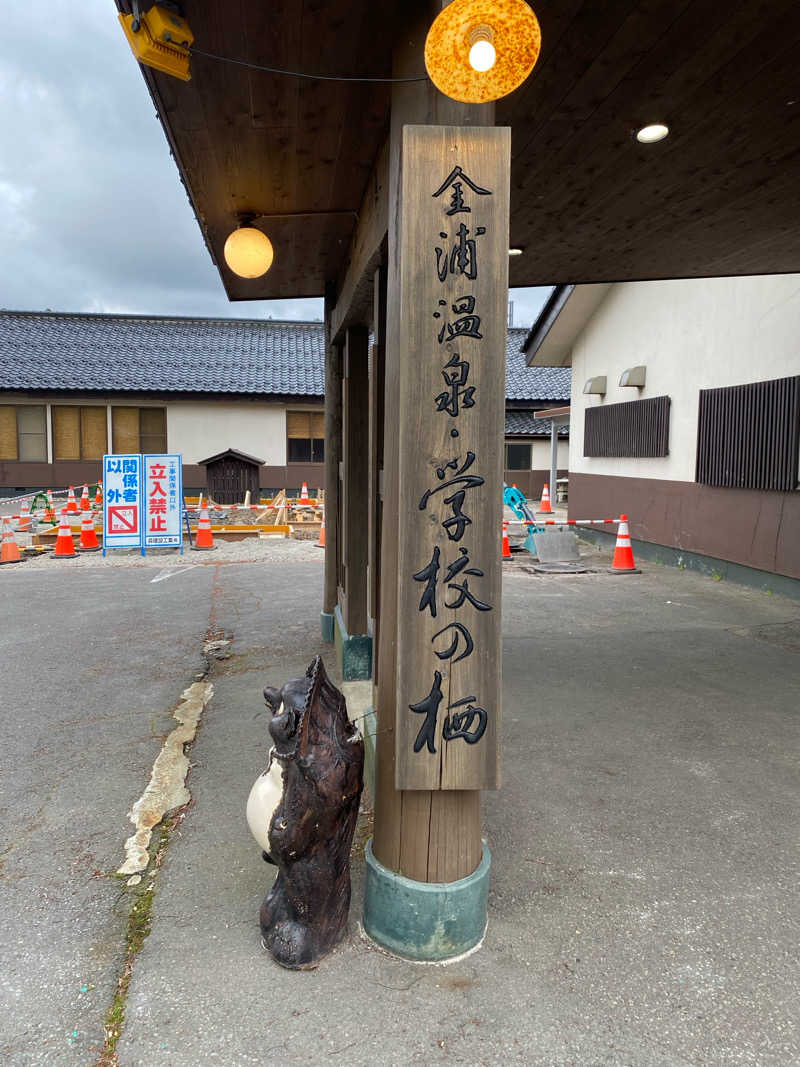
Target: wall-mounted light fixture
{"type": "Point", "coordinates": [596, 385]}
{"type": "Point", "coordinates": [516, 251]}
{"type": "Point", "coordinates": [481, 50]}
{"type": "Point", "coordinates": [633, 376]}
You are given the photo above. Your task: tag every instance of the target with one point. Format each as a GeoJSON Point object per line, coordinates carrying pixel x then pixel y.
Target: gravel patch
{"type": "Point", "coordinates": [252, 550]}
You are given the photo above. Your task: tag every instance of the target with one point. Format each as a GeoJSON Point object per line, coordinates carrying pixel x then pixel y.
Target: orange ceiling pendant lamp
{"type": "Point", "coordinates": [482, 50]}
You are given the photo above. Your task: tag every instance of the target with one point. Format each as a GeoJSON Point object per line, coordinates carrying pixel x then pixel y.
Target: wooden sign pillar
{"type": "Point", "coordinates": [453, 273]}
{"type": "Point", "coordinates": [439, 668]}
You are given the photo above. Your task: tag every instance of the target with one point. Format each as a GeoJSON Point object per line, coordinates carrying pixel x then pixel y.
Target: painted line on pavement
{"type": "Point", "coordinates": [163, 575]}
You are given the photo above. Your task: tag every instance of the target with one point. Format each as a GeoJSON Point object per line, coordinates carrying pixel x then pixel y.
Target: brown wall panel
{"type": "Point", "coordinates": [756, 528]}
{"type": "Point", "coordinates": [63, 473]}
{"type": "Point", "coordinates": [531, 483]}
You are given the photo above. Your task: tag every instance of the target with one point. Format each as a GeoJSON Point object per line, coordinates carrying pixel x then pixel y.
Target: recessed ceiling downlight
{"type": "Point", "coordinates": [651, 134]}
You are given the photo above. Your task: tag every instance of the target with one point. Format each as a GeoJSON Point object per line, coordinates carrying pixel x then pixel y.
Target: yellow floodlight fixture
{"type": "Point", "coordinates": [482, 50]}
{"type": "Point", "coordinates": [159, 38]}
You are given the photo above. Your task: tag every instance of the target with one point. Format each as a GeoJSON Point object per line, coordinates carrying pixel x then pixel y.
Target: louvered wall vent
{"type": "Point", "coordinates": [636, 428]}
{"type": "Point", "coordinates": [748, 436]}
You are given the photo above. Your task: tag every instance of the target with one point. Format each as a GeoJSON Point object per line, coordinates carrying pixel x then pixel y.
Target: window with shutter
{"type": "Point", "coordinates": [152, 430]}
{"type": "Point", "coordinates": [66, 433]}
{"type": "Point", "coordinates": [305, 433]}
{"type": "Point", "coordinates": [8, 432]}
{"type": "Point", "coordinates": [125, 430]}
{"type": "Point", "coordinates": [94, 434]}
{"type": "Point", "coordinates": [32, 433]}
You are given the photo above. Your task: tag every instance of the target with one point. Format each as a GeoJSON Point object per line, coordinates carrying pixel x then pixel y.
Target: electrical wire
{"type": "Point", "coordinates": [302, 74]}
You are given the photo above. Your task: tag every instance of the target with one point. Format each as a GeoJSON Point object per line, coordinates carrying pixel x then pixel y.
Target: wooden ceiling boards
{"type": "Point", "coordinates": [588, 202]}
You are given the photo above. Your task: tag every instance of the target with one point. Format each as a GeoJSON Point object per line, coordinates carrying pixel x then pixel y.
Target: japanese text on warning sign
{"type": "Point", "coordinates": [122, 491]}
{"type": "Point", "coordinates": [162, 501]}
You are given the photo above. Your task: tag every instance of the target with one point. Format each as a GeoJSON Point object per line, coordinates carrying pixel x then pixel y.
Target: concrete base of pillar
{"type": "Point", "coordinates": [326, 623]}
{"type": "Point", "coordinates": [353, 651]}
{"type": "Point", "coordinates": [426, 921]}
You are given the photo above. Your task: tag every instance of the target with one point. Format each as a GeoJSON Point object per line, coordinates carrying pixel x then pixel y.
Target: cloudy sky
{"type": "Point", "coordinates": [93, 216]}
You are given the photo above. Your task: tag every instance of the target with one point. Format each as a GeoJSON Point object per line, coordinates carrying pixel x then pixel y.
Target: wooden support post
{"type": "Point", "coordinates": [428, 836]}
{"type": "Point", "coordinates": [355, 417]}
{"type": "Point", "coordinates": [377, 369]}
{"type": "Point", "coordinates": [333, 455]}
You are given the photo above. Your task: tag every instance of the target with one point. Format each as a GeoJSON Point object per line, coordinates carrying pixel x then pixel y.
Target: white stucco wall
{"type": "Point", "coordinates": [541, 455]}
{"type": "Point", "coordinates": [200, 429]}
{"type": "Point", "coordinates": [691, 335]}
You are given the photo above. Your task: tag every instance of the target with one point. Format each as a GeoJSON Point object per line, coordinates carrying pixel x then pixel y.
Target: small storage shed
{"type": "Point", "coordinates": [230, 474]}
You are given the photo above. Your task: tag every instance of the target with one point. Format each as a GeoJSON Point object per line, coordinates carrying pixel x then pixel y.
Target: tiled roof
{"type": "Point", "coordinates": [532, 383]}
{"type": "Point", "coordinates": [63, 352]}
{"type": "Point", "coordinates": [168, 355]}
{"type": "Point", "coordinates": [522, 423]}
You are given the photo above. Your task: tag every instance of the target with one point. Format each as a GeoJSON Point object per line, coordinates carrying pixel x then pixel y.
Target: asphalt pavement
{"type": "Point", "coordinates": [645, 843]}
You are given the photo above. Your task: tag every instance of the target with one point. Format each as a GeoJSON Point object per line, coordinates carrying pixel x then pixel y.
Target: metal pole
{"type": "Point", "coordinates": [553, 460]}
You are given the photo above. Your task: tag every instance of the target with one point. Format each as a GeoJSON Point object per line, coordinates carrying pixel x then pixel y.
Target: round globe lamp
{"type": "Point", "coordinates": [482, 50]}
{"type": "Point", "coordinates": [248, 252]}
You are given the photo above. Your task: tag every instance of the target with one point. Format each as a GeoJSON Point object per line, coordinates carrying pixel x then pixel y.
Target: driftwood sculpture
{"type": "Point", "coordinates": [303, 811]}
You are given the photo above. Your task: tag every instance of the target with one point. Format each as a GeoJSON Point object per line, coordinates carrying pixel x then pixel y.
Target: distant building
{"type": "Point", "coordinates": [685, 413]}
{"type": "Point", "coordinates": [246, 392]}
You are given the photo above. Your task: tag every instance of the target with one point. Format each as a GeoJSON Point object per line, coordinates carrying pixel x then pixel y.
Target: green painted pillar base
{"type": "Point", "coordinates": [428, 921]}
{"type": "Point", "coordinates": [353, 651]}
{"type": "Point", "coordinates": [326, 625]}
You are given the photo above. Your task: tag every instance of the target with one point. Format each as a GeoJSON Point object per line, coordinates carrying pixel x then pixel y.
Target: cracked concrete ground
{"type": "Point", "coordinates": [643, 908]}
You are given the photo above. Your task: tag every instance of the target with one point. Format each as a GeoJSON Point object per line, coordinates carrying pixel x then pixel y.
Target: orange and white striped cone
{"type": "Point", "coordinates": [98, 497]}
{"type": "Point", "coordinates": [71, 503]}
{"type": "Point", "coordinates": [89, 542]}
{"type": "Point", "coordinates": [544, 506]}
{"type": "Point", "coordinates": [623, 562]}
{"type": "Point", "coordinates": [203, 538]}
{"type": "Point", "coordinates": [24, 518]}
{"type": "Point", "coordinates": [50, 510]}
{"type": "Point", "coordinates": [304, 497]}
{"type": "Point", "coordinates": [85, 505]}
{"type": "Point", "coordinates": [321, 542]}
{"type": "Point", "coordinates": [506, 545]}
{"type": "Point", "coordinates": [9, 549]}
{"type": "Point", "coordinates": [65, 546]}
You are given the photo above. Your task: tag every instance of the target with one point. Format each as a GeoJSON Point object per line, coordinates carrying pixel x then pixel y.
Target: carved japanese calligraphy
{"type": "Point", "coordinates": [459, 394]}
{"type": "Point", "coordinates": [456, 180]}
{"type": "Point", "coordinates": [462, 258]}
{"type": "Point", "coordinates": [452, 337]}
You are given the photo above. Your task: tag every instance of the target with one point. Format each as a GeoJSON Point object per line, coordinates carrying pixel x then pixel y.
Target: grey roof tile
{"type": "Point", "coordinates": [63, 352]}
{"type": "Point", "coordinates": [532, 383]}
{"type": "Point", "coordinates": [522, 423]}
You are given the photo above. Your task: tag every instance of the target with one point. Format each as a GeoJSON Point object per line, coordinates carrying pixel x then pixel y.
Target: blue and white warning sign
{"type": "Point", "coordinates": [122, 501]}
{"type": "Point", "coordinates": [163, 496]}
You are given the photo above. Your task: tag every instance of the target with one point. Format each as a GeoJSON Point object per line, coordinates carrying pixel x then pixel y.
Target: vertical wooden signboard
{"type": "Point", "coordinates": [454, 213]}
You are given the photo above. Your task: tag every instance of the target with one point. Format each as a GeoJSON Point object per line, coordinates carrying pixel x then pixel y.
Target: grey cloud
{"type": "Point", "coordinates": [93, 216]}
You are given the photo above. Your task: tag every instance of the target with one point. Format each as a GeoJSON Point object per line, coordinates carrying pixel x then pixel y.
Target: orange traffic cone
{"type": "Point", "coordinates": [50, 510]}
{"type": "Point", "coordinates": [89, 541]}
{"type": "Point", "coordinates": [24, 518]}
{"type": "Point", "coordinates": [65, 547]}
{"type": "Point", "coordinates": [85, 505]}
{"type": "Point", "coordinates": [98, 498]}
{"type": "Point", "coordinates": [304, 497]}
{"type": "Point", "coordinates": [506, 545]}
{"type": "Point", "coordinates": [623, 551]}
{"type": "Point", "coordinates": [544, 507]}
{"type": "Point", "coordinates": [71, 505]}
{"type": "Point", "coordinates": [9, 551]}
{"type": "Point", "coordinates": [203, 538]}
{"type": "Point", "coordinates": [321, 542]}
